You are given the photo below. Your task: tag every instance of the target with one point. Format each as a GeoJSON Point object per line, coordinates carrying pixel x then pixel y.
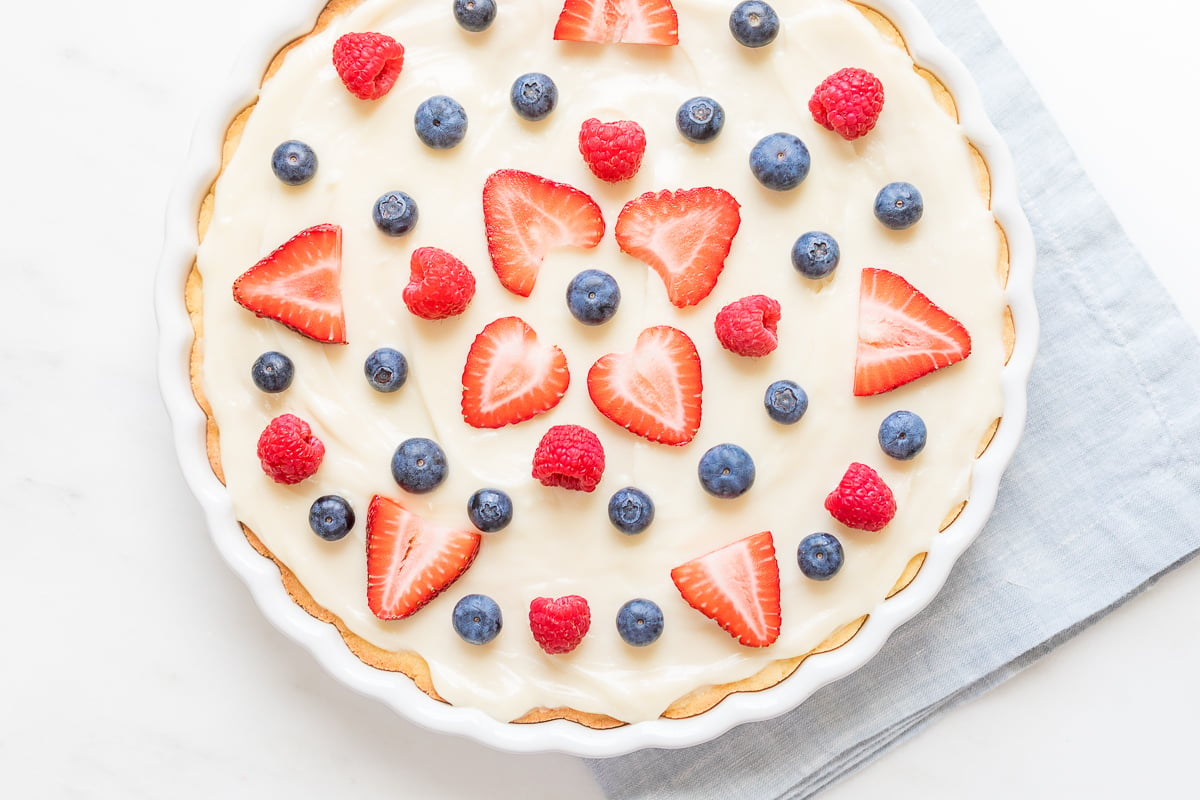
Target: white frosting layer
{"type": "Point", "coordinates": [562, 542]}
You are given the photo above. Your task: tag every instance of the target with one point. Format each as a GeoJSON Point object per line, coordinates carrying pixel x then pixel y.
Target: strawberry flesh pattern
{"type": "Point", "coordinates": [628, 21]}
{"type": "Point", "coordinates": [737, 586]}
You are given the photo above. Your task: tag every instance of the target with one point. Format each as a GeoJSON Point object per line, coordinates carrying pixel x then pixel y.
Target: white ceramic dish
{"type": "Point", "coordinates": [396, 690]}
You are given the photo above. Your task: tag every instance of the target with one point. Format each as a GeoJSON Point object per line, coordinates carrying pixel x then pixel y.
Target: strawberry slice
{"type": "Point", "coordinates": [628, 21]}
{"type": "Point", "coordinates": [526, 216]}
{"type": "Point", "coordinates": [902, 335]}
{"type": "Point", "coordinates": [738, 587]}
{"type": "Point", "coordinates": [653, 391]}
{"type": "Point", "coordinates": [299, 285]}
{"type": "Point", "coordinates": [410, 560]}
{"type": "Point", "coordinates": [684, 236]}
{"type": "Point", "coordinates": [510, 376]}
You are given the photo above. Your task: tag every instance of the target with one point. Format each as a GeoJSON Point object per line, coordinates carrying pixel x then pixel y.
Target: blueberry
{"type": "Point", "coordinates": [780, 161]}
{"type": "Point", "coordinates": [294, 163]}
{"type": "Point", "coordinates": [475, 15]}
{"type": "Point", "coordinates": [386, 370]}
{"type": "Point", "coordinates": [902, 435]}
{"type": "Point", "coordinates": [441, 122]}
{"type": "Point", "coordinates": [272, 372]}
{"type": "Point", "coordinates": [815, 255]}
{"type": "Point", "coordinates": [534, 96]}
{"type": "Point", "coordinates": [640, 622]}
{"type": "Point", "coordinates": [419, 465]}
{"type": "Point", "coordinates": [631, 510]}
{"type": "Point", "coordinates": [395, 213]}
{"type": "Point", "coordinates": [786, 402]}
{"type": "Point", "coordinates": [490, 510]}
{"type": "Point", "coordinates": [726, 471]}
{"type": "Point", "coordinates": [331, 517]}
{"type": "Point", "coordinates": [593, 297]}
{"type": "Point", "coordinates": [477, 619]}
{"type": "Point", "coordinates": [899, 205]}
{"type": "Point", "coordinates": [700, 119]}
{"type": "Point", "coordinates": [820, 556]}
{"type": "Point", "coordinates": [754, 23]}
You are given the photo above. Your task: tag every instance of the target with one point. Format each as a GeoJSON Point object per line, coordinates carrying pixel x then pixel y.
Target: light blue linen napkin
{"type": "Point", "coordinates": [1102, 498]}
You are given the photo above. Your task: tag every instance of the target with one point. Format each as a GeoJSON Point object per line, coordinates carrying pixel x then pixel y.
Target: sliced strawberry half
{"type": "Point", "coordinates": [737, 586]}
{"type": "Point", "coordinates": [654, 391]}
{"type": "Point", "coordinates": [628, 21]}
{"type": "Point", "coordinates": [510, 376]}
{"type": "Point", "coordinates": [299, 285]}
{"type": "Point", "coordinates": [411, 560]}
{"type": "Point", "coordinates": [526, 216]}
{"type": "Point", "coordinates": [683, 235]}
{"type": "Point", "coordinates": [902, 335]}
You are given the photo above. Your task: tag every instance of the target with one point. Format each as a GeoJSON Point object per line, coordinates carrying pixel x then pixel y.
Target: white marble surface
{"type": "Point", "coordinates": [134, 663]}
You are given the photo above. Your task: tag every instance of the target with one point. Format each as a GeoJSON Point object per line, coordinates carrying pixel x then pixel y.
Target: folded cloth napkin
{"type": "Point", "coordinates": [1101, 499]}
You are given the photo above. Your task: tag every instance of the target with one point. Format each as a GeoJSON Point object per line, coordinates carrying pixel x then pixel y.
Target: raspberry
{"type": "Point", "coordinates": [440, 285]}
{"type": "Point", "coordinates": [613, 150]}
{"type": "Point", "coordinates": [368, 63]}
{"type": "Point", "coordinates": [288, 450]}
{"type": "Point", "coordinates": [569, 456]}
{"type": "Point", "coordinates": [862, 500]}
{"type": "Point", "coordinates": [559, 623]}
{"type": "Point", "coordinates": [747, 327]}
{"type": "Point", "coordinates": [848, 102]}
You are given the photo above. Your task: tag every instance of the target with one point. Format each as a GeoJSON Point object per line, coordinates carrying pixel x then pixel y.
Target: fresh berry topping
{"type": "Point", "coordinates": [439, 285]}
{"type": "Point", "coordinates": [848, 102]}
{"type": "Point", "coordinates": [490, 510]}
{"type": "Point", "coordinates": [475, 15]}
{"type": "Point", "coordinates": [331, 517]}
{"type": "Point", "coordinates": [737, 586]}
{"type": "Point", "coordinates": [861, 500]}
{"type": "Point", "coordinates": [631, 510]}
{"type": "Point", "coordinates": [629, 21]}
{"type": "Point", "coordinates": [368, 63]}
{"type": "Point", "coordinates": [899, 206]}
{"type": "Point", "coordinates": [754, 23]}
{"type": "Point", "coordinates": [441, 122]}
{"type": "Point", "coordinates": [785, 402]}
{"type": "Point", "coordinates": [411, 560]}
{"type": "Point", "coordinates": [780, 161]}
{"type": "Point", "coordinates": [419, 465]}
{"type": "Point", "coordinates": [749, 327]}
{"type": "Point", "coordinates": [533, 96]}
{"type": "Point", "coordinates": [386, 369]}
{"type": "Point", "coordinates": [395, 213]}
{"type": "Point", "coordinates": [288, 450]}
{"type": "Point", "coordinates": [510, 376]}
{"type": "Point", "coordinates": [640, 622]}
{"type": "Point", "coordinates": [294, 163]}
{"type": "Point", "coordinates": [820, 556]}
{"type": "Point", "coordinates": [815, 255]}
{"type": "Point", "coordinates": [683, 235]}
{"type": "Point", "coordinates": [902, 435]}
{"type": "Point", "coordinates": [559, 623]}
{"type": "Point", "coordinates": [526, 216]}
{"type": "Point", "coordinates": [593, 297]}
{"type": "Point", "coordinates": [477, 618]}
{"type": "Point", "coordinates": [726, 470]}
{"type": "Point", "coordinates": [700, 119]}
{"type": "Point", "coordinates": [571, 457]}
{"type": "Point", "coordinates": [298, 285]}
{"type": "Point", "coordinates": [273, 372]}
{"type": "Point", "coordinates": [902, 335]}
{"type": "Point", "coordinates": [653, 391]}
{"type": "Point", "coordinates": [612, 150]}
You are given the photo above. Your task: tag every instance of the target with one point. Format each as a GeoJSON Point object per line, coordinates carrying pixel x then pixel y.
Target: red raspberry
{"type": "Point", "coordinates": [848, 102]}
{"type": "Point", "coordinates": [862, 500]}
{"type": "Point", "coordinates": [569, 456]}
{"type": "Point", "coordinates": [368, 63]}
{"type": "Point", "coordinates": [747, 327]}
{"type": "Point", "coordinates": [613, 150]}
{"type": "Point", "coordinates": [559, 623]}
{"type": "Point", "coordinates": [288, 450]}
{"type": "Point", "coordinates": [440, 285]}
